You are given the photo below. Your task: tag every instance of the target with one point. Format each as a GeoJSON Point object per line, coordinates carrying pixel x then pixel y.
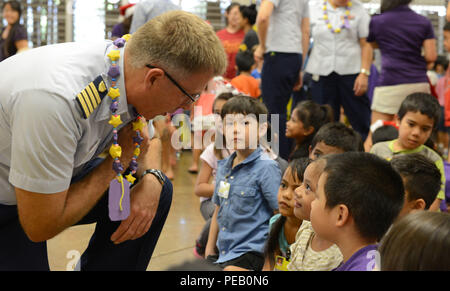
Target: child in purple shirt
{"type": "Point", "coordinates": [358, 197]}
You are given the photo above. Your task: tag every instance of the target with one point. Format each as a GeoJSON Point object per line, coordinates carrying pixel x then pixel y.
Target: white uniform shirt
{"type": "Point", "coordinates": [44, 138]}
{"type": "Point", "coordinates": [337, 52]}
{"type": "Point", "coordinates": [284, 33]}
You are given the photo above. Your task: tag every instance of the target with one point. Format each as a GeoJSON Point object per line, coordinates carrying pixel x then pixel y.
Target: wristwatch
{"type": "Point", "coordinates": [157, 173]}
{"type": "Point", "coordinates": [365, 72]}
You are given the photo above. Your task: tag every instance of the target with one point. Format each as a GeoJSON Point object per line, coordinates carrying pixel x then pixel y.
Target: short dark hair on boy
{"type": "Point", "coordinates": [338, 135]}
{"type": "Point", "coordinates": [370, 188]}
{"type": "Point", "coordinates": [244, 61]}
{"type": "Point", "coordinates": [424, 103]}
{"type": "Point", "coordinates": [384, 133]}
{"type": "Point", "coordinates": [242, 104]}
{"type": "Point", "coordinates": [422, 179]}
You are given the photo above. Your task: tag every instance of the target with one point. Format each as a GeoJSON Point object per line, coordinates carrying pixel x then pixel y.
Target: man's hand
{"type": "Point", "coordinates": [144, 199]}
{"type": "Point", "coordinates": [361, 84]}
{"type": "Point", "coordinates": [298, 85]}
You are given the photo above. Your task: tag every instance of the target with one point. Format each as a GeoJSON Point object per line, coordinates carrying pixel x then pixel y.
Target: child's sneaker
{"type": "Point", "coordinates": [199, 251]}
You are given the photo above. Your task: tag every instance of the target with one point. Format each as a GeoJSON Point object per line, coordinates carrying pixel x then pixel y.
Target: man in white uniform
{"type": "Point", "coordinates": [54, 123]}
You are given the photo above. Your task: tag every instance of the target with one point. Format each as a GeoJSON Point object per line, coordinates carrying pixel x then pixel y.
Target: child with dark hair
{"type": "Point", "coordinates": [306, 120]}
{"type": "Point", "coordinates": [204, 186]}
{"type": "Point", "coordinates": [311, 252]}
{"type": "Point", "coordinates": [246, 189]}
{"type": "Point", "coordinates": [245, 82]}
{"type": "Point", "coordinates": [356, 216]}
{"type": "Point", "coordinates": [417, 242]}
{"type": "Point", "coordinates": [334, 138]}
{"type": "Point", "coordinates": [251, 39]}
{"type": "Point", "coordinates": [421, 179]}
{"type": "Point", "coordinates": [284, 225]}
{"type": "Point", "coordinates": [417, 117]}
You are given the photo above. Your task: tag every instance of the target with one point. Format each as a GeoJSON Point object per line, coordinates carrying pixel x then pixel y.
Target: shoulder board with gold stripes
{"type": "Point", "coordinates": [91, 96]}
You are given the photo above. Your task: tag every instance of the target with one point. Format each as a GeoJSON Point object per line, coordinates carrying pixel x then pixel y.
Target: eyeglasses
{"type": "Point", "coordinates": [192, 98]}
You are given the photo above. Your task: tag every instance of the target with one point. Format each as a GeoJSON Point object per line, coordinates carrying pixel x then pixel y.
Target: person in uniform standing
{"type": "Point", "coordinates": [340, 59]}
{"type": "Point", "coordinates": [55, 123]}
{"type": "Point", "coordinates": [283, 31]}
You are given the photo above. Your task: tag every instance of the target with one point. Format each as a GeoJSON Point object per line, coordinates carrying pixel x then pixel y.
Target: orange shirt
{"type": "Point", "coordinates": [247, 85]}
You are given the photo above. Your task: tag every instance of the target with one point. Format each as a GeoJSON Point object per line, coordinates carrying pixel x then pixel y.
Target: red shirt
{"type": "Point", "coordinates": [231, 43]}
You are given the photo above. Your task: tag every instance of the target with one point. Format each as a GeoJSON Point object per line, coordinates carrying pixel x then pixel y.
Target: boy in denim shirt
{"type": "Point", "coordinates": [246, 189]}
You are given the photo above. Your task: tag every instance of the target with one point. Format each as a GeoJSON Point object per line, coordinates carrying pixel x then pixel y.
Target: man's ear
{"type": "Point", "coordinates": [152, 75]}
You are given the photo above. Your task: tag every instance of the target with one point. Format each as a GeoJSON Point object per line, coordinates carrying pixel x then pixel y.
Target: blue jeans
{"type": "Point", "coordinates": [17, 252]}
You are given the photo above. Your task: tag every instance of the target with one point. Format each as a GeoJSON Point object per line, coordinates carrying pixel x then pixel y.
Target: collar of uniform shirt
{"type": "Point", "coordinates": [104, 111]}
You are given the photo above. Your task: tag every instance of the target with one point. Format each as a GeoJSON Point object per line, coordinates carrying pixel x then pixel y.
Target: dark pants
{"type": "Point", "coordinates": [278, 76]}
{"type": "Point", "coordinates": [337, 90]}
{"type": "Point", "coordinates": [250, 261]}
{"type": "Point", "coordinates": [17, 252]}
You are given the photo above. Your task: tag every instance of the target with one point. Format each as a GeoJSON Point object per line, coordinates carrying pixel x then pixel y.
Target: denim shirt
{"type": "Point", "coordinates": [244, 216]}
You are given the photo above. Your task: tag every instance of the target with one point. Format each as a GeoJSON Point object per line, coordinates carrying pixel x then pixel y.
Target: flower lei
{"type": "Point", "coordinates": [344, 25]}
{"type": "Point", "coordinates": [119, 186]}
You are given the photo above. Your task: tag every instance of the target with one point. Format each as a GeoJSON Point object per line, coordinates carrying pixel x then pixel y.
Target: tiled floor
{"type": "Point", "coordinates": [177, 239]}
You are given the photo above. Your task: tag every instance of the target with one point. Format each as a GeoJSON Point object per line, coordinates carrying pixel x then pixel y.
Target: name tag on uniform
{"type": "Point", "coordinates": [224, 189]}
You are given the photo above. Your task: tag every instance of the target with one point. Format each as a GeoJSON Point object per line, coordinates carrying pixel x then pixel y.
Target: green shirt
{"type": "Point", "coordinates": [386, 151]}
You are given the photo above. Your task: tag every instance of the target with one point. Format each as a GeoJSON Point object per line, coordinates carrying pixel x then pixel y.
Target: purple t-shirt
{"type": "Point", "coordinates": [362, 260]}
{"type": "Point", "coordinates": [400, 34]}
{"type": "Point", "coordinates": [20, 34]}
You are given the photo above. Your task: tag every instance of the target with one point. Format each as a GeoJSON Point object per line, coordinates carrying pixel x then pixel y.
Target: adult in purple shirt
{"type": "Point", "coordinates": [400, 34]}
{"type": "Point", "coordinates": [13, 37]}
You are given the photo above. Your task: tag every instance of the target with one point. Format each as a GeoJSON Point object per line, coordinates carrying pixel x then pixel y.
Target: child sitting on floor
{"type": "Point", "coordinates": [310, 252]}
{"type": "Point", "coordinates": [306, 119]}
{"type": "Point", "coordinates": [358, 197]}
{"type": "Point", "coordinates": [418, 242]}
{"type": "Point", "coordinates": [284, 225]}
{"type": "Point", "coordinates": [335, 138]}
{"type": "Point", "coordinates": [246, 189]}
{"type": "Point", "coordinates": [421, 180]}
{"type": "Point", "coordinates": [417, 117]}
{"type": "Point", "coordinates": [204, 186]}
